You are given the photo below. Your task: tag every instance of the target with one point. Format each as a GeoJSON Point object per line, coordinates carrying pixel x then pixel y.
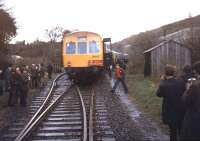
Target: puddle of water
{"type": "Point", "coordinates": [133, 111]}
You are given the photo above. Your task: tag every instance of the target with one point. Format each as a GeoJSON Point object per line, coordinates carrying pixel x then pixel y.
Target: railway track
{"type": "Point", "coordinates": [39, 103]}
{"type": "Point", "coordinates": [63, 117]}
{"type": "Point", "coordinates": [102, 129]}
{"type": "Point", "coordinates": [99, 128]}
{"type": "Point", "coordinates": [67, 112]}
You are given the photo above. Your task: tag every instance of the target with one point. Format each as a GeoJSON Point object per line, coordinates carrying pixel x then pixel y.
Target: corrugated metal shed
{"type": "Point", "coordinates": [167, 52]}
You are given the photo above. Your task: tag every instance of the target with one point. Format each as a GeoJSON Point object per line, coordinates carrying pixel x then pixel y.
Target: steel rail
{"type": "Point", "coordinates": [41, 117]}
{"type": "Point", "coordinates": [91, 134]}
{"type": "Point", "coordinates": [84, 116]}
{"type": "Point", "coordinates": [53, 84]}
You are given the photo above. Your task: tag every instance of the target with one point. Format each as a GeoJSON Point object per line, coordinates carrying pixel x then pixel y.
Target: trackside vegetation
{"type": "Point", "coordinates": [142, 93]}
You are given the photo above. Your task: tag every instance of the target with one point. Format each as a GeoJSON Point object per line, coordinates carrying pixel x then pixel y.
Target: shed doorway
{"type": "Point", "coordinates": [147, 64]}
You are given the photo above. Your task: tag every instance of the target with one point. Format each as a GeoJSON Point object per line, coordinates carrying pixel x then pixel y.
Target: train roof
{"type": "Point", "coordinates": [78, 32]}
{"type": "Point", "coordinates": [115, 52]}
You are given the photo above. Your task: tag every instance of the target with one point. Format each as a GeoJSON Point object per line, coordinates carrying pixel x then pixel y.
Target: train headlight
{"type": "Point", "coordinates": [69, 64]}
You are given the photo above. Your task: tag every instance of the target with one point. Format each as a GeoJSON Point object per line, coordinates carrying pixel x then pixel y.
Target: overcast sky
{"type": "Point", "coordinates": [110, 18]}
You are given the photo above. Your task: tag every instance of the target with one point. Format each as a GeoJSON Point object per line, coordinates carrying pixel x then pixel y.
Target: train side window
{"type": "Point", "coordinates": [93, 47]}
{"type": "Point", "coordinates": [82, 47]}
{"type": "Point", "coordinates": [71, 48]}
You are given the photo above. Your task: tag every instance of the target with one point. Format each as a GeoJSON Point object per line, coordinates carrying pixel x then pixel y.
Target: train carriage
{"type": "Point", "coordinates": [83, 53]}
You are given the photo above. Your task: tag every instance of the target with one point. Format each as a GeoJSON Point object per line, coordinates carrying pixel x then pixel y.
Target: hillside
{"type": "Point", "coordinates": [185, 31]}
{"type": "Point", "coordinates": [166, 29]}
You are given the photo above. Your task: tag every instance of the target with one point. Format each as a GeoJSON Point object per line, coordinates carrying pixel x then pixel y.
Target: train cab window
{"type": "Point", "coordinates": [107, 47]}
{"type": "Point", "coordinates": [93, 47]}
{"type": "Point", "coordinates": [71, 48]}
{"type": "Point", "coordinates": [82, 47]}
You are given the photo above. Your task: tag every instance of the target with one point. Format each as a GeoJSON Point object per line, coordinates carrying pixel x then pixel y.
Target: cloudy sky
{"type": "Point", "coordinates": [110, 18]}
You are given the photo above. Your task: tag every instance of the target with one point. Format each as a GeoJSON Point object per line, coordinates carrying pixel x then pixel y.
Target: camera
{"type": "Point", "coordinates": [190, 80]}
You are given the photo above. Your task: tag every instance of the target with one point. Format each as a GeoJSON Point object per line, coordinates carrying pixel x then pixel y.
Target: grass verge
{"type": "Point", "coordinates": [142, 92]}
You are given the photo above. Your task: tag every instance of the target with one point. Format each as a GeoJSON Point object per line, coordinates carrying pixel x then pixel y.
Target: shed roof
{"type": "Point", "coordinates": [162, 43]}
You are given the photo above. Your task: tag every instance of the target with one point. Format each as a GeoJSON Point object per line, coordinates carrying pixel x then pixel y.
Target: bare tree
{"type": "Point", "coordinates": [66, 32]}
{"type": "Point", "coordinates": [54, 34]}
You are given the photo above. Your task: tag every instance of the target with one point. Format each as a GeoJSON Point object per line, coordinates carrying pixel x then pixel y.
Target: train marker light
{"type": "Point", "coordinates": [69, 64]}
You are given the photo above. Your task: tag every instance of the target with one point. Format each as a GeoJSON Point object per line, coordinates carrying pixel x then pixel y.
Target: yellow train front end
{"type": "Point", "coordinates": [82, 54]}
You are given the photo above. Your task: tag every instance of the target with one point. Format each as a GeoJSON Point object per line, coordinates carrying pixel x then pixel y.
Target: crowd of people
{"type": "Point", "coordinates": [16, 81]}
{"type": "Point", "coordinates": [181, 94]}
{"type": "Point", "coordinates": [181, 102]}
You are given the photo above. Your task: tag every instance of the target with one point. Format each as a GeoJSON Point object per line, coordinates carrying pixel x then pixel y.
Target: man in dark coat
{"type": "Point", "coordinates": [18, 84]}
{"type": "Point", "coordinates": [1, 82]}
{"type": "Point", "coordinates": [122, 64]}
{"type": "Point", "coordinates": [191, 98]}
{"type": "Point", "coordinates": [171, 90]}
{"type": "Point", "coordinates": [8, 74]}
{"type": "Point", "coordinates": [187, 73]}
{"type": "Point", "coordinates": [34, 76]}
{"type": "Point", "coordinates": [49, 70]}
{"type": "Point", "coordinates": [24, 89]}
{"type": "Point", "coordinates": [12, 89]}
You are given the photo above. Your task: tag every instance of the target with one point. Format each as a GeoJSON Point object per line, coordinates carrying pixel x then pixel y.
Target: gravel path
{"type": "Point", "coordinates": [125, 118]}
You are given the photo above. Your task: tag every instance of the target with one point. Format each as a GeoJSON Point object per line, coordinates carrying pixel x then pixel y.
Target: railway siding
{"type": "Point", "coordinates": [64, 122]}
{"type": "Point", "coordinates": [62, 115]}
{"type": "Point", "coordinates": [17, 127]}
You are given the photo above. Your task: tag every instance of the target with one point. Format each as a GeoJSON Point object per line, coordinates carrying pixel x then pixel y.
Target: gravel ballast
{"type": "Point", "coordinates": [124, 117]}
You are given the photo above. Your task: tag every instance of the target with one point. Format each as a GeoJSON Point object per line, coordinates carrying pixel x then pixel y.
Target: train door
{"type": "Point", "coordinates": [107, 48]}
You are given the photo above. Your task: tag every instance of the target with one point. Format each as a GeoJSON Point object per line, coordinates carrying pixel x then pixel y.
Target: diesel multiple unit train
{"type": "Point", "coordinates": [86, 53]}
